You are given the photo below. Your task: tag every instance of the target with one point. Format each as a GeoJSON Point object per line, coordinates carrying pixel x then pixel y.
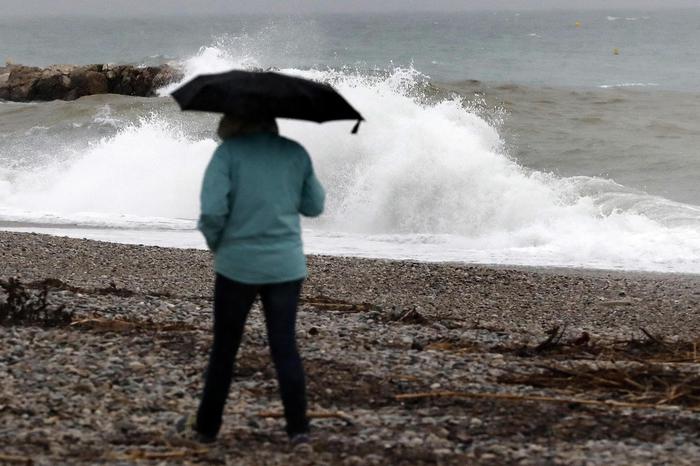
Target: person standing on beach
{"type": "Point", "coordinates": [255, 188]}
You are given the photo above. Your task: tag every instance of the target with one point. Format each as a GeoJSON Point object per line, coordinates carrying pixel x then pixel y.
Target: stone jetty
{"type": "Point", "coordinates": [21, 83]}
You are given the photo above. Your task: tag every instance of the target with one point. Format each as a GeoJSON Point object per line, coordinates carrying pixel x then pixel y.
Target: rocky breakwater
{"type": "Point", "coordinates": [20, 83]}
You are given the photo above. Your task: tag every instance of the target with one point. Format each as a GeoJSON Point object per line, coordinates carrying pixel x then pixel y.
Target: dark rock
{"type": "Point", "coordinates": [68, 82]}
{"type": "Point", "coordinates": [54, 83]}
{"type": "Point", "coordinates": [4, 89]}
{"type": "Point", "coordinates": [87, 82]}
{"type": "Point", "coordinates": [21, 81]}
{"type": "Point", "coordinates": [165, 76]}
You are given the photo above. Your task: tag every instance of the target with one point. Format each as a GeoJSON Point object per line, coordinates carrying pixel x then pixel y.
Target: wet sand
{"type": "Point", "coordinates": [408, 363]}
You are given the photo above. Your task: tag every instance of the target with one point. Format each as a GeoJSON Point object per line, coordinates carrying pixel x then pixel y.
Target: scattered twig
{"type": "Point", "coordinates": [634, 384]}
{"type": "Point", "coordinates": [410, 316]}
{"type": "Point", "coordinates": [651, 337]}
{"type": "Point", "coordinates": [552, 341]}
{"type": "Point", "coordinates": [673, 396]}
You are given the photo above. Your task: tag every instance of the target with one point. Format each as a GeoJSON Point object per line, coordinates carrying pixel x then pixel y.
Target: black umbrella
{"type": "Point", "coordinates": [261, 95]}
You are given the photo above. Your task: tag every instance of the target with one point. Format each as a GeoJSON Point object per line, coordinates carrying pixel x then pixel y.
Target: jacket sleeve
{"type": "Point", "coordinates": [215, 200]}
{"type": "Point", "coordinates": [312, 195]}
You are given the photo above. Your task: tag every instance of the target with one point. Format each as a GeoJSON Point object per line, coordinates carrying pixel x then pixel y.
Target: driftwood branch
{"type": "Point", "coordinates": [546, 399]}
{"type": "Point", "coordinates": [312, 415]}
{"type": "Point", "coordinates": [13, 459]}
{"type": "Point", "coordinates": [157, 455]}
{"type": "Point", "coordinates": [329, 304]}
{"type": "Point", "coordinates": [117, 325]}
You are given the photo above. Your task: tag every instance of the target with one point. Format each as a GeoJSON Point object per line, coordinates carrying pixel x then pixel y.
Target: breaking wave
{"type": "Point", "coordinates": [426, 177]}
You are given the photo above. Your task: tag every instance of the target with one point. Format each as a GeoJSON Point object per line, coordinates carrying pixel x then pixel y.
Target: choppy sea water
{"type": "Point", "coordinates": [560, 153]}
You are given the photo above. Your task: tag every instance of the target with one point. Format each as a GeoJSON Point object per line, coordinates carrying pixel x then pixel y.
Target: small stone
{"type": "Point", "coordinates": [84, 387]}
{"type": "Point", "coordinates": [137, 366]}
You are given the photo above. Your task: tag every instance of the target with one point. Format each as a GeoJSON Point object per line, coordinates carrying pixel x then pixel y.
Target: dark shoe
{"type": "Point", "coordinates": [186, 427]}
{"type": "Point", "coordinates": [301, 443]}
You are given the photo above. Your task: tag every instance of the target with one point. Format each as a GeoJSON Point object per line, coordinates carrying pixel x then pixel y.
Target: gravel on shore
{"type": "Point", "coordinates": [407, 363]}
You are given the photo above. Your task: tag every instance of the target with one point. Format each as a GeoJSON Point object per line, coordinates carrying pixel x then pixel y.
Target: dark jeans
{"type": "Point", "coordinates": [232, 302]}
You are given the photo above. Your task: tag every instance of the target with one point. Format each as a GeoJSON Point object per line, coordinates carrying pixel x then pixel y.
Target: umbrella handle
{"type": "Point", "coordinates": [356, 127]}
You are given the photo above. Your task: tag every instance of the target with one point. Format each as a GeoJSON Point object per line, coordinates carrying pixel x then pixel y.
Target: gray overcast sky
{"type": "Point", "coordinates": [138, 7]}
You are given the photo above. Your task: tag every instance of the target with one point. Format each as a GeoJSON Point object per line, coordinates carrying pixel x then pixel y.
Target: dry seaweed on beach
{"type": "Point", "coordinates": [651, 384]}
{"type": "Point", "coordinates": [24, 307]}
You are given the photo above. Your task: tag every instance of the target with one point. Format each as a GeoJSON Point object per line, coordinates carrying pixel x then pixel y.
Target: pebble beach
{"type": "Point", "coordinates": [407, 363]}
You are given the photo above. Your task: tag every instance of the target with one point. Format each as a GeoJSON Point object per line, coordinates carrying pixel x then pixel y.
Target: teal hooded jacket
{"type": "Point", "coordinates": [254, 189]}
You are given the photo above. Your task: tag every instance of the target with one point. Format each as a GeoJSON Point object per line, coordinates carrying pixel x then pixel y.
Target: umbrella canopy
{"type": "Point", "coordinates": [261, 95]}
